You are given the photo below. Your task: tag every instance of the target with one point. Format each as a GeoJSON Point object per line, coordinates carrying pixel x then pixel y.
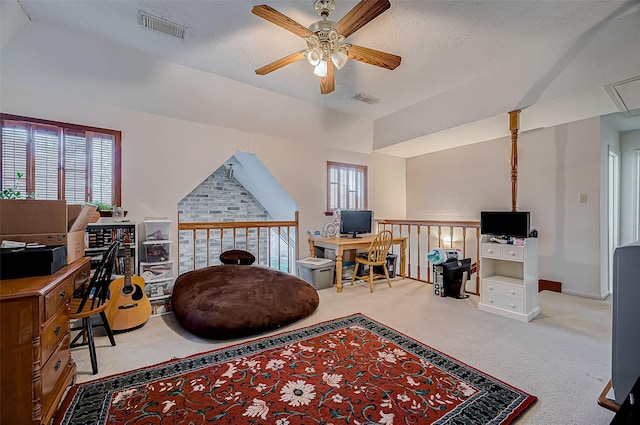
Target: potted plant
{"type": "Point", "coordinates": [13, 192]}
{"type": "Point", "coordinates": [105, 209]}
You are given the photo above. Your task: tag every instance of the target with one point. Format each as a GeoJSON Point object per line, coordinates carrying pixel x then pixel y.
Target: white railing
{"type": "Point", "coordinates": [273, 243]}
{"type": "Point", "coordinates": [424, 235]}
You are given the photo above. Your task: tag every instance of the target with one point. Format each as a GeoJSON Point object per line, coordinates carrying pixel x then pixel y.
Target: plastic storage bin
{"type": "Point", "coordinates": [156, 251]}
{"type": "Point", "coordinates": [160, 288]}
{"type": "Point", "coordinates": [392, 263]}
{"type": "Point", "coordinates": [317, 271]}
{"type": "Point", "coordinates": [156, 229]}
{"type": "Point", "coordinates": [156, 271]}
{"type": "Point", "coordinates": [392, 260]}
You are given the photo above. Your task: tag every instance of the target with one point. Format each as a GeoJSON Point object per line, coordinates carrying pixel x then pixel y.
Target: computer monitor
{"type": "Point", "coordinates": [354, 222]}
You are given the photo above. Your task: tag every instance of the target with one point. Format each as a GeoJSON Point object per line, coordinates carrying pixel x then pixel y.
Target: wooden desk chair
{"type": "Point", "coordinates": [376, 256]}
{"type": "Point", "coordinates": [90, 300]}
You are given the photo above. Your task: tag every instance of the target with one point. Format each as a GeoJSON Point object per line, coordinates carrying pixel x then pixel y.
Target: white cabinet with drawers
{"type": "Point", "coordinates": [509, 279]}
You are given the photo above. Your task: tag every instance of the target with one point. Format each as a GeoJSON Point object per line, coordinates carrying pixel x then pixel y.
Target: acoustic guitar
{"type": "Point", "coordinates": [128, 308]}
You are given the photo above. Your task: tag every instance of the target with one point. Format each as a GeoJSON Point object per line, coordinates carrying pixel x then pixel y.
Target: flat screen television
{"type": "Point", "coordinates": [505, 223]}
{"type": "Point", "coordinates": [354, 222]}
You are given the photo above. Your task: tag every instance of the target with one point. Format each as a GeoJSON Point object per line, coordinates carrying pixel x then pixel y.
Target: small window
{"type": "Point", "coordinates": [346, 186]}
{"type": "Point", "coordinates": [60, 161]}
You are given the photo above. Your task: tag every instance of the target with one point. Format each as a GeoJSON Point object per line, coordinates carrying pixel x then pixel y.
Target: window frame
{"type": "Point", "coordinates": [331, 165]}
{"type": "Point", "coordinates": [61, 129]}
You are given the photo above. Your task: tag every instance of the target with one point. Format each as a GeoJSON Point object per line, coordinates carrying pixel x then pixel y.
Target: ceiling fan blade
{"type": "Point", "coordinates": [374, 57]}
{"type": "Point", "coordinates": [272, 15]}
{"type": "Point", "coordinates": [363, 12]}
{"type": "Point", "coordinates": [328, 83]}
{"type": "Point", "coordinates": [294, 57]}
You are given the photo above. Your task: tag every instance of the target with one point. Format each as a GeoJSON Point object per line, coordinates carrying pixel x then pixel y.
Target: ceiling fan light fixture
{"type": "Point", "coordinates": [339, 59]}
{"type": "Point", "coordinates": [321, 69]}
{"type": "Point", "coordinates": [326, 48]}
{"type": "Point", "coordinates": [314, 57]}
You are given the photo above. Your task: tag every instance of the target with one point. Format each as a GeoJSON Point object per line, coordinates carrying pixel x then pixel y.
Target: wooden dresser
{"type": "Point", "coordinates": [36, 365]}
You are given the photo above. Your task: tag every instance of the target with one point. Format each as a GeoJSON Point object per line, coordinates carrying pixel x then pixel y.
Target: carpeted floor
{"type": "Point", "coordinates": [563, 356]}
{"type": "Point", "coordinates": [351, 370]}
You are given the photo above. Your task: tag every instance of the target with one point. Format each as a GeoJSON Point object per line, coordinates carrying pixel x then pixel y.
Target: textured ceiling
{"type": "Point", "coordinates": [464, 63]}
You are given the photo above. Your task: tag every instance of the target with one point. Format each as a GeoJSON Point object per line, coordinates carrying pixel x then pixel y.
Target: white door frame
{"type": "Point", "coordinates": [613, 210]}
{"type": "Point", "coordinates": [636, 196]}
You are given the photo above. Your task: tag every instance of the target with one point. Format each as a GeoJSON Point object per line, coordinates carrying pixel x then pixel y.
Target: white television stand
{"type": "Point", "coordinates": [509, 279]}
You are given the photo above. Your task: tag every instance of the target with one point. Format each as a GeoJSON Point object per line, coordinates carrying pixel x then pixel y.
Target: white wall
{"type": "Point", "coordinates": [163, 159]}
{"type": "Point", "coordinates": [555, 166]}
{"type": "Point", "coordinates": [179, 124]}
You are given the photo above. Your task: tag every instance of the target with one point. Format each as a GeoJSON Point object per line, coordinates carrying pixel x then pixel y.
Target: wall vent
{"type": "Point", "coordinates": [366, 98]}
{"type": "Point", "coordinates": [162, 25]}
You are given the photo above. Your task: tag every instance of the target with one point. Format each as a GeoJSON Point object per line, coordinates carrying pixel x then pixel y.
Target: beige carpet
{"type": "Point", "coordinates": [563, 356]}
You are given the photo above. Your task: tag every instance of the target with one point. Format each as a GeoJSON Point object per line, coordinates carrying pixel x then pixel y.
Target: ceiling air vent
{"type": "Point", "coordinates": [366, 98]}
{"type": "Point", "coordinates": [626, 95]}
{"type": "Point", "coordinates": [162, 25]}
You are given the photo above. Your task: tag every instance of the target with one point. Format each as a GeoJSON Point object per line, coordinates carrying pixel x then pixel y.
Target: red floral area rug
{"type": "Point", "coordinates": [351, 370]}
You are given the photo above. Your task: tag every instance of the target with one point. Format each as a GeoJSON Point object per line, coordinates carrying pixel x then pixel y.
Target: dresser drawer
{"type": "Point", "coordinates": [491, 250]}
{"type": "Point", "coordinates": [505, 303]}
{"type": "Point", "coordinates": [53, 333]}
{"type": "Point", "coordinates": [502, 252]}
{"type": "Point", "coordinates": [53, 370]}
{"type": "Point", "coordinates": [82, 276]}
{"type": "Point", "coordinates": [503, 289]}
{"type": "Point", "coordinates": [515, 253]}
{"type": "Point", "coordinates": [58, 297]}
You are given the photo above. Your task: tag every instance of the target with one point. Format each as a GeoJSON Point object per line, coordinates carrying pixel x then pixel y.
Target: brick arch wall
{"type": "Point", "coordinates": [219, 199]}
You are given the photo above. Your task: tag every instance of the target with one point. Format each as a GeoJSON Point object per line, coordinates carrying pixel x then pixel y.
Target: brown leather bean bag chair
{"type": "Point", "coordinates": [232, 301]}
{"type": "Point", "coordinates": [237, 256]}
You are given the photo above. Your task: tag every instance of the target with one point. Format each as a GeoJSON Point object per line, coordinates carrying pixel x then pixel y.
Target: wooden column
{"type": "Point", "coordinates": [514, 125]}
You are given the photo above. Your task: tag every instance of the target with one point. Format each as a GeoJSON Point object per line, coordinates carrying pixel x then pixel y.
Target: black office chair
{"type": "Point", "coordinates": [91, 300]}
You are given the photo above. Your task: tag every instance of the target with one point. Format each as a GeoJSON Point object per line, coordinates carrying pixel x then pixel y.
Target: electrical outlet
{"type": "Point", "coordinates": [583, 198]}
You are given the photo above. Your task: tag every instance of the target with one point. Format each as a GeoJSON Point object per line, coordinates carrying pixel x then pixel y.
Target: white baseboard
{"type": "Point", "coordinates": [585, 294]}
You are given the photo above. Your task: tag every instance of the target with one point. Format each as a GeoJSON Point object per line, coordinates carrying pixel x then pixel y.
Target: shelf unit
{"type": "Point", "coordinates": [509, 279]}
{"type": "Point", "coordinates": [98, 237]}
{"type": "Point", "coordinates": [157, 267]}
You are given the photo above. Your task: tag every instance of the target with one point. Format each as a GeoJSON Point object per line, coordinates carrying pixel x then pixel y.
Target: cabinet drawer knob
{"type": "Point", "coordinates": [490, 288]}
{"type": "Point", "coordinates": [491, 300]}
{"type": "Point", "coordinates": [513, 305]}
{"type": "Point", "coordinates": [512, 292]}
{"type": "Point", "coordinates": [63, 293]}
{"type": "Point", "coordinates": [490, 251]}
{"type": "Point", "coordinates": [56, 331]}
{"type": "Point", "coordinates": [57, 366]}
{"type": "Point", "coordinates": [511, 253]}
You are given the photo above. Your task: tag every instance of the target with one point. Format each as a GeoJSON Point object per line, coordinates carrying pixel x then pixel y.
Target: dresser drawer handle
{"type": "Point", "coordinates": [57, 366]}
{"type": "Point", "coordinates": [83, 274]}
{"type": "Point", "coordinates": [490, 288]}
{"type": "Point", "coordinates": [491, 300]}
{"type": "Point", "coordinates": [63, 294]}
{"type": "Point", "coordinates": [513, 305]}
{"type": "Point", "coordinates": [56, 331]}
{"type": "Point", "coordinates": [490, 251]}
{"type": "Point", "coordinates": [511, 253]}
{"type": "Point", "coordinates": [512, 292]}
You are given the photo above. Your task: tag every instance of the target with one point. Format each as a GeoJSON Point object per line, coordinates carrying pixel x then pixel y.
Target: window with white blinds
{"type": "Point", "coordinates": [60, 161]}
{"type": "Point", "coordinates": [346, 186]}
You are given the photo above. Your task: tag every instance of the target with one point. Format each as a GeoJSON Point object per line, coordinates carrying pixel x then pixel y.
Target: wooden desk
{"type": "Point", "coordinates": [36, 365]}
{"type": "Point", "coordinates": [342, 244]}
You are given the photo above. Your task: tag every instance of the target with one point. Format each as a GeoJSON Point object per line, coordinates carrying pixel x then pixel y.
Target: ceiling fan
{"type": "Point", "coordinates": [325, 40]}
